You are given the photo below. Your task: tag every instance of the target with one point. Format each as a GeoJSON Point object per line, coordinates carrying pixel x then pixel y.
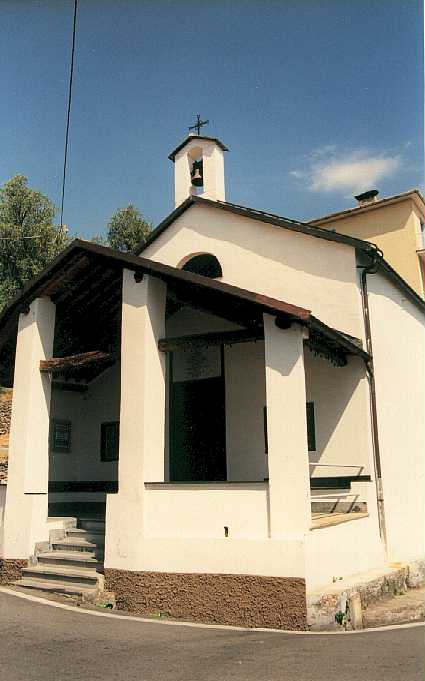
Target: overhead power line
{"type": "Point", "coordinates": [71, 73]}
{"type": "Point", "coordinates": [14, 238]}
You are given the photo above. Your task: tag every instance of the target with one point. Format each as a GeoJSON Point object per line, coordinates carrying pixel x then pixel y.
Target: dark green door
{"type": "Point", "coordinates": [198, 430]}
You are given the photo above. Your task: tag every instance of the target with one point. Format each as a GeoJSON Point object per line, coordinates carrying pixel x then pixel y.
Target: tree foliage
{"type": "Point", "coordinates": [28, 238]}
{"type": "Point", "coordinates": [127, 229]}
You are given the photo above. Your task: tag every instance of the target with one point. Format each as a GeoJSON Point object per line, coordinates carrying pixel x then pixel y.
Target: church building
{"type": "Point", "coordinates": [220, 425]}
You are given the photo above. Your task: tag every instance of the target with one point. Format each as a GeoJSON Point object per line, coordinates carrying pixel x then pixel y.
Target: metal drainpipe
{"type": "Point", "coordinates": [375, 255]}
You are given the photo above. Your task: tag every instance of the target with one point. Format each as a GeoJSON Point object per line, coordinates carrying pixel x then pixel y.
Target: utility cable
{"type": "Point", "coordinates": [12, 238]}
{"type": "Point", "coordinates": [71, 73]}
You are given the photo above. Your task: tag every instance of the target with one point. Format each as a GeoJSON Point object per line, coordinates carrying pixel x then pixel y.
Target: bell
{"type": "Point", "coordinates": [196, 174]}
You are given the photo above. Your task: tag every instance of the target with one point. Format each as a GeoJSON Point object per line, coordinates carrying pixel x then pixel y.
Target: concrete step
{"type": "Point", "coordinates": [95, 536]}
{"type": "Point", "coordinates": [88, 578]}
{"type": "Point", "coordinates": [337, 506]}
{"type": "Point", "coordinates": [58, 586]}
{"type": "Point", "coordinates": [79, 559]}
{"type": "Point", "coordinates": [68, 521]}
{"type": "Point", "coordinates": [78, 544]}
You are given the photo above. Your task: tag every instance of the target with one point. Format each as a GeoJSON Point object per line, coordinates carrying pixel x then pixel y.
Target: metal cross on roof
{"type": "Point", "coordinates": [198, 125]}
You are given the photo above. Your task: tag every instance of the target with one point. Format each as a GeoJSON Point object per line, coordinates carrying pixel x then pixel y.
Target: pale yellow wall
{"type": "Point", "coordinates": [398, 336]}
{"type": "Point", "coordinates": [395, 230]}
{"type": "Point", "coordinates": [299, 269]}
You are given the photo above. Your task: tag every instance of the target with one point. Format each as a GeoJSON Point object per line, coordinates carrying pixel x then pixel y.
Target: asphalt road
{"type": "Point", "coordinates": [42, 642]}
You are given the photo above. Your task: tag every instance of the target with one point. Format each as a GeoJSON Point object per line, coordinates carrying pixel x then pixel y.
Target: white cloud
{"type": "Point", "coordinates": [349, 173]}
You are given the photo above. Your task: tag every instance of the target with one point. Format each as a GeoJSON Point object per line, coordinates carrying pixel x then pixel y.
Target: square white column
{"type": "Point", "coordinates": [142, 416]}
{"type": "Point", "coordinates": [289, 479]}
{"type": "Point", "coordinates": [28, 470]}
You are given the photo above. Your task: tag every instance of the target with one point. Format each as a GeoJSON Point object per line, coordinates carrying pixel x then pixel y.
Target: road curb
{"type": "Point", "coordinates": [196, 625]}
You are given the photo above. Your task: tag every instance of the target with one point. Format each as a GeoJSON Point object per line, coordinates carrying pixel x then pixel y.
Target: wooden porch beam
{"type": "Point", "coordinates": [57, 365]}
{"type": "Point", "coordinates": [208, 339]}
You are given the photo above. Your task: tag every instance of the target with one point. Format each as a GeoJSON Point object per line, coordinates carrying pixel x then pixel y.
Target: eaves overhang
{"type": "Point", "coordinates": [191, 138]}
{"type": "Point", "coordinates": [413, 194]}
{"type": "Point", "coordinates": [253, 214]}
{"type": "Point", "coordinates": [67, 273]}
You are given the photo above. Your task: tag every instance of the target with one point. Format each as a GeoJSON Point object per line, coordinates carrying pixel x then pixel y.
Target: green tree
{"type": "Point", "coordinates": [28, 238]}
{"type": "Point", "coordinates": [126, 229]}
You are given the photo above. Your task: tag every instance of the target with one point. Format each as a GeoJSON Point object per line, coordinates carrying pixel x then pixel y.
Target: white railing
{"type": "Point", "coordinates": [338, 465]}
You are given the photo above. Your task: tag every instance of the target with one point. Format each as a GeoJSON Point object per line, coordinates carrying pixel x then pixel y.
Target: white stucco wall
{"type": "Point", "coordinates": [245, 400]}
{"type": "Point", "coordinates": [27, 487]}
{"type": "Point", "coordinates": [245, 394]}
{"type": "Point", "coordinates": [340, 396]}
{"type": "Point", "coordinates": [313, 273]}
{"type": "Point", "coordinates": [142, 416]}
{"type": "Point", "coordinates": [204, 510]}
{"type": "Point", "coordinates": [213, 170]}
{"type": "Point", "coordinates": [342, 415]}
{"type": "Point", "coordinates": [276, 558]}
{"type": "Point", "coordinates": [341, 551]}
{"type": "Point", "coordinates": [398, 337]}
{"type": "Point", "coordinates": [86, 411]}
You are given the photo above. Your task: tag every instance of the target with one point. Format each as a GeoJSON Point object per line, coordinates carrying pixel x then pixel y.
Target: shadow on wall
{"type": "Point", "coordinates": [86, 412]}
{"type": "Point", "coordinates": [341, 412]}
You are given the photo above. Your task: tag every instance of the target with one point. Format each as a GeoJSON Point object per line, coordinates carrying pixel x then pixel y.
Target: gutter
{"type": "Point", "coordinates": [376, 257]}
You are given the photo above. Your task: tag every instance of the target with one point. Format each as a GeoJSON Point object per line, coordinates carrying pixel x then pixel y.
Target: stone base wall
{"type": "Point", "coordinates": [239, 600]}
{"type": "Point", "coordinates": [11, 569]}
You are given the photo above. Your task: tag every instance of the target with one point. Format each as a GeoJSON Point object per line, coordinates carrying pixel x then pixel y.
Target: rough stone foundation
{"type": "Point", "coordinates": [11, 569]}
{"type": "Point", "coordinates": [369, 589]}
{"type": "Point", "coordinates": [240, 600]}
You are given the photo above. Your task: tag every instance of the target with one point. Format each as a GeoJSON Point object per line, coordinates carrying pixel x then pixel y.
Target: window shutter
{"type": "Point", "coordinates": [311, 427]}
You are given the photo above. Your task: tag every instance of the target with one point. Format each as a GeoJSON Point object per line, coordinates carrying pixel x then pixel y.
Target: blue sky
{"type": "Point", "coordinates": [315, 100]}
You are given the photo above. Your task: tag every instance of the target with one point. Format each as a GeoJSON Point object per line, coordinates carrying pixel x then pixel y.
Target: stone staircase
{"type": "Point", "coordinates": [72, 564]}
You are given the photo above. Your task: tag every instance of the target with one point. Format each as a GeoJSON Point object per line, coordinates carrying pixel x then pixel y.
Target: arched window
{"type": "Point", "coordinates": [205, 264]}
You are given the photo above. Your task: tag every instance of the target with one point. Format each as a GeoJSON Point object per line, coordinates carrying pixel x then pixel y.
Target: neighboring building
{"type": "Point", "coordinates": [262, 390]}
{"type": "Point", "coordinates": [395, 224]}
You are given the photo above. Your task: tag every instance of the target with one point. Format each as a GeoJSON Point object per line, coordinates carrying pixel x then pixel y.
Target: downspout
{"type": "Point", "coordinates": [376, 255]}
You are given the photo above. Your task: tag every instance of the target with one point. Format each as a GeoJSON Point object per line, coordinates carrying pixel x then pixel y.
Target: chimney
{"type": "Point", "coordinates": [367, 197]}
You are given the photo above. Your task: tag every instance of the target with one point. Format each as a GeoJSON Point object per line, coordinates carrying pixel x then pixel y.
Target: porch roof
{"type": "Point", "coordinates": [85, 283]}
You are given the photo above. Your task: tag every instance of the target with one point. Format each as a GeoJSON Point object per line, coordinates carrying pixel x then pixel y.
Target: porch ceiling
{"type": "Point", "coordinates": [85, 283]}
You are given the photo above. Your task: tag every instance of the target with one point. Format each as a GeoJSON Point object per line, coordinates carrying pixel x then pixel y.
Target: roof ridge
{"type": "Point", "coordinates": [373, 205]}
{"type": "Point", "coordinates": [289, 223]}
{"type": "Point", "coordinates": [283, 218]}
